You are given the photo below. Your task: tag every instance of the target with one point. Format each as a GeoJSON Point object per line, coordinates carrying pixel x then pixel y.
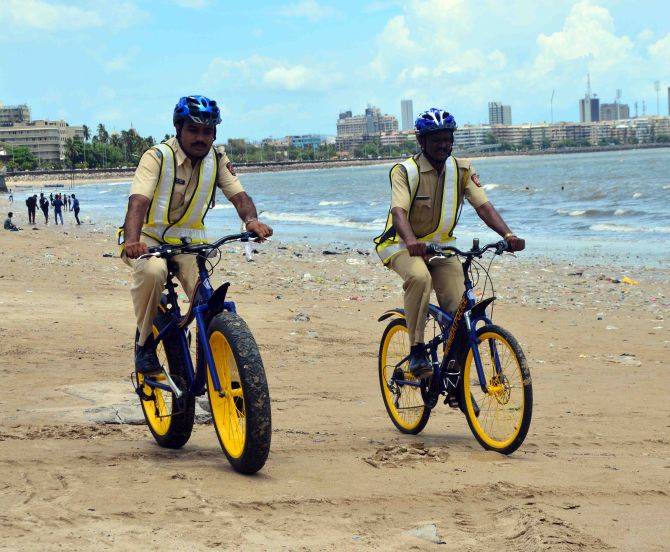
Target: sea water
{"type": "Point", "coordinates": [591, 207]}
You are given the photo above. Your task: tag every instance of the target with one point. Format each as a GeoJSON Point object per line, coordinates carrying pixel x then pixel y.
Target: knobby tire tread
{"type": "Point", "coordinates": [255, 389]}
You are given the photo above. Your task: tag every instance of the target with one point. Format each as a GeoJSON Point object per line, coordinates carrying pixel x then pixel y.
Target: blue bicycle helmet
{"type": "Point", "coordinates": [197, 109]}
{"type": "Point", "coordinates": [434, 120]}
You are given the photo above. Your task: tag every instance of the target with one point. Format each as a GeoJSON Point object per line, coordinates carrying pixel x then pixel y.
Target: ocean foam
{"type": "Point", "coordinates": [325, 203]}
{"type": "Point", "coordinates": [322, 221]}
{"type": "Point", "coordinates": [575, 213]}
{"type": "Point", "coordinates": [626, 228]}
{"type": "Point", "coordinates": [488, 187]}
{"type": "Point", "coordinates": [222, 206]}
{"type": "Point", "coordinates": [620, 212]}
{"type": "Point", "coordinates": [636, 195]}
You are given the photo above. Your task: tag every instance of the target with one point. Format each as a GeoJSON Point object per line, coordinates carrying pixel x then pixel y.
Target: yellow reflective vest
{"type": "Point", "coordinates": [389, 243]}
{"type": "Point", "coordinates": [191, 224]}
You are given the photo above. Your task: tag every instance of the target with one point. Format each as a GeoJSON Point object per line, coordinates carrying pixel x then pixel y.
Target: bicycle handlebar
{"type": "Point", "coordinates": [170, 250]}
{"type": "Point", "coordinates": [476, 251]}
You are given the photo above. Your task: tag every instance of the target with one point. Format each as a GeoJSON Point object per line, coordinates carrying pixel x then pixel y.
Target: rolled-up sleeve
{"type": "Point", "coordinates": [146, 175]}
{"type": "Point", "coordinates": [226, 179]}
{"type": "Point", "coordinates": [400, 196]}
{"type": "Point", "coordinates": [474, 192]}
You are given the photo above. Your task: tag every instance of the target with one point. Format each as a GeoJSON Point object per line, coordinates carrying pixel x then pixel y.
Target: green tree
{"type": "Point", "coordinates": [102, 135]}
{"type": "Point", "coordinates": [22, 159]}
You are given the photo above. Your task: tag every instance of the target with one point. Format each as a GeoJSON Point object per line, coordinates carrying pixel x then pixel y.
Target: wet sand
{"type": "Point", "coordinates": [592, 475]}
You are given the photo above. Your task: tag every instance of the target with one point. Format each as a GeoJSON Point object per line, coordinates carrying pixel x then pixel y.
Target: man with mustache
{"type": "Point", "coordinates": [172, 190]}
{"type": "Point", "coordinates": [427, 193]}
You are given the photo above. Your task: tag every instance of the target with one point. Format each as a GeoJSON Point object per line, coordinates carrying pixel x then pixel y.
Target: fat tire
{"type": "Point", "coordinates": [181, 424]}
{"type": "Point", "coordinates": [527, 392]}
{"type": "Point", "coordinates": [258, 434]}
{"type": "Point", "coordinates": [382, 384]}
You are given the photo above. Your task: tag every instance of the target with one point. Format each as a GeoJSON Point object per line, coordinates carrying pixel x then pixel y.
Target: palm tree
{"type": "Point", "coordinates": [71, 151]}
{"type": "Point", "coordinates": [103, 135]}
{"type": "Point", "coordinates": [87, 136]}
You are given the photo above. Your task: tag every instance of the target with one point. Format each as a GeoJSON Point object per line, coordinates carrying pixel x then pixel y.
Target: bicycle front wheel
{"type": "Point", "coordinates": [404, 403]}
{"type": "Point", "coordinates": [500, 417]}
{"type": "Point", "coordinates": [241, 409]}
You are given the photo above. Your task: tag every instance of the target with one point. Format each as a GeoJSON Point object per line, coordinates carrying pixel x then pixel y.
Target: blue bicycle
{"type": "Point", "coordinates": [477, 366]}
{"type": "Point", "coordinates": [227, 365]}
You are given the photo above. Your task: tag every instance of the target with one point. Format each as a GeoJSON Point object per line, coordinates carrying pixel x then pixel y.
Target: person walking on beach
{"type": "Point", "coordinates": [58, 209]}
{"type": "Point", "coordinates": [9, 224]}
{"type": "Point", "coordinates": [31, 203]}
{"type": "Point", "coordinates": [75, 207]}
{"type": "Point", "coordinates": [11, 196]}
{"type": "Point", "coordinates": [44, 205]}
{"type": "Point", "coordinates": [180, 197]}
{"type": "Point", "coordinates": [427, 192]}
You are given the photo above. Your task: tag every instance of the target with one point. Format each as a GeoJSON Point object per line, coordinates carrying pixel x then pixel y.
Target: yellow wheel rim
{"type": "Point", "coordinates": [158, 410]}
{"type": "Point", "coordinates": [228, 406]}
{"type": "Point", "coordinates": [501, 409]}
{"type": "Point", "coordinates": [410, 407]}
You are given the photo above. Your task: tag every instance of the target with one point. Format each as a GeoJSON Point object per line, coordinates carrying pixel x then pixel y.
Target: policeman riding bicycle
{"type": "Point", "coordinates": [427, 193]}
{"type": "Point", "coordinates": [172, 190]}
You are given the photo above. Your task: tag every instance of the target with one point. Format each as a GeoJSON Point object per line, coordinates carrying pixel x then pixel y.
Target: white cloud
{"type": "Point", "coordinates": [51, 16]}
{"type": "Point", "coordinates": [661, 49]}
{"type": "Point", "coordinates": [288, 78]}
{"type": "Point", "coordinates": [587, 34]}
{"type": "Point", "coordinates": [258, 71]}
{"type": "Point", "coordinates": [309, 9]}
{"type": "Point", "coordinates": [120, 62]}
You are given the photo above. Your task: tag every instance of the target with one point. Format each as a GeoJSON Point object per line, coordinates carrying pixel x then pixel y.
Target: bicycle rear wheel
{"type": "Point", "coordinates": [500, 418]}
{"type": "Point", "coordinates": [404, 403]}
{"type": "Point", "coordinates": [170, 420]}
{"type": "Point", "coordinates": [241, 410]}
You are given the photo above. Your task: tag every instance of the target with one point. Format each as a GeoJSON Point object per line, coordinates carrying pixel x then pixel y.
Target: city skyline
{"type": "Point", "coordinates": [109, 62]}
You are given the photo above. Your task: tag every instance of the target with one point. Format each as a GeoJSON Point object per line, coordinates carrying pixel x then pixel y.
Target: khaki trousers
{"type": "Point", "coordinates": [149, 277]}
{"type": "Point", "coordinates": [444, 275]}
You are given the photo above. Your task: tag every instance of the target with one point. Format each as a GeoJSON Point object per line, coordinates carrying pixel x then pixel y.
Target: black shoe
{"type": "Point", "coordinates": [418, 363]}
{"type": "Point", "coordinates": [146, 361]}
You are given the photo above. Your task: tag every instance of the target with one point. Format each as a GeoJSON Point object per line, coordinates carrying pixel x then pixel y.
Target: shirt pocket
{"type": "Point", "coordinates": [421, 216]}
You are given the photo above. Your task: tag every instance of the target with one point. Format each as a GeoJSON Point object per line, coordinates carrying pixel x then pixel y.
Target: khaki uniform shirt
{"type": "Point", "coordinates": [425, 214]}
{"type": "Point", "coordinates": [148, 172]}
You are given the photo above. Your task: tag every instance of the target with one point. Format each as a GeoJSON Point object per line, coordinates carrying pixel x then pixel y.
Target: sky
{"type": "Point", "coordinates": [290, 66]}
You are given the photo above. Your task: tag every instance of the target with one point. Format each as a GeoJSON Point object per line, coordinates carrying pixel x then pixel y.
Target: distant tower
{"type": "Point", "coordinates": [551, 104]}
{"type": "Point", "coordinates": [500, 114]}
{"type": "Point", "coordinates": [644, 108]}
{"type": "Point", "coordinates": [618, 103]}
{"type": "Point", "coordinates": [657, 87]}
{"type": "Point", "coordinates": [407, 114]}
{"type": "Point", "coordinates": [636, 109]}
{"type": "Point", "coordinates": [589, 106]}
{"type": "Point", "coordinates": [668, 101]}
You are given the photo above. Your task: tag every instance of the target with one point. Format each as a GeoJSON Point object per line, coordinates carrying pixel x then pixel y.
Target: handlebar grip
{"type": "Point", "coordinates": [433, 249]}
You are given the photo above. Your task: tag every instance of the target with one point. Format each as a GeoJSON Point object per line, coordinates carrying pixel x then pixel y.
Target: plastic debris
{"type": "Point", "coordinates": [629, 281]}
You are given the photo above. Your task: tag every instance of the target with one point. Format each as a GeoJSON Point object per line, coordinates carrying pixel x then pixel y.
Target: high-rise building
{"type": "Point", "coordinates": [614, 111]}
{"type": "Point", "coordinates": [589, 109]}
{"type": "Point", "coordinates": [407, 114]}
{"type": "Point", "coordinates": [10, 114]}
{"type": "Point", "coordinates": [500, 114]}
{"type": "Point", "coordinates": [357, 129]}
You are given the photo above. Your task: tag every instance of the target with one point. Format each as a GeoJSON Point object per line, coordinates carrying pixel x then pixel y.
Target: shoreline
{"type": "Point", "coordinates": [63, 178]}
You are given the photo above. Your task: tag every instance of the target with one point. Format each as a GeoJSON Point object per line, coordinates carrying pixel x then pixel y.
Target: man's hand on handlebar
{"type": "Point", "coordinates": [262, 230]}
{"type": "Point", "coordinates": [135, 249]}
{"type": "Point", "coordinates": [515, 244]}
{"type": "Point", "coordinates": [416, 249]}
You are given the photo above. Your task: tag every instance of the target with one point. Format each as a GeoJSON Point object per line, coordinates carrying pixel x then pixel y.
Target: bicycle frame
{"type": "Point", "coordinates": [469, 311]}
{"type": "Point", "coordinates": [206, 304]}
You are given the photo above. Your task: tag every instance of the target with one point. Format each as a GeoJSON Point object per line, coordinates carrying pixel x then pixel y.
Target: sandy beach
{"type": "Point", "coordinates": [593, 473]}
